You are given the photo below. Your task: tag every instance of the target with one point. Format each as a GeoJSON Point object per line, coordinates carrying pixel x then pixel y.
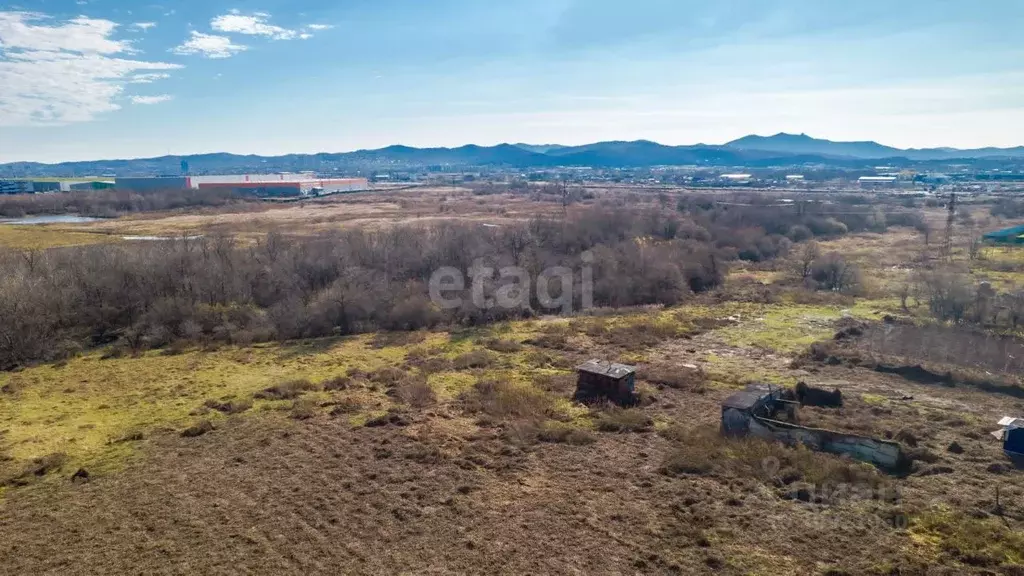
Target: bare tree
{"type": "Point", "coordinates": [925, 229]}
{"type": "Point", "coordinates": [806, 257]}
{"type": "Point", "coordinates": [833, 272]}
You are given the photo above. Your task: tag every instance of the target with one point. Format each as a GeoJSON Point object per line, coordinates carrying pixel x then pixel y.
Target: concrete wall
{"type": "Point", "coordinates": [879, 452]}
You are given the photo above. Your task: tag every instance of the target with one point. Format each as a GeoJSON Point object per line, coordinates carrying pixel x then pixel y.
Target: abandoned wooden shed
{"type": "Point", "coordinates": [603, 380]}
{"type": "Point", "coordinates": [756, 400]}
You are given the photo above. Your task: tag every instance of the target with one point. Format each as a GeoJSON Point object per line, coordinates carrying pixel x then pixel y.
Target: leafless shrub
{"type": "Point", "coordinates": [37, 468]}
{"type": "Point", "coordinates": [286, 390]}
{"type": "Point", "coordinates": [303, 409]}
{"type": "Point", "coordinates": [473, 359]}
{"type": "Point", "coordinates": [347, 405]}
{"type": "Point", "coordinates": [505, 400]}
{"type": "Point", "coordinates": [385, 339]}
{"type": "Point", "coordinates": [560, 432]}
{"type": "Point", "coordinates": [337, 383]}
{"type": "Point", "coordinates": [499, 345]}
{"type": "Point", "coordinates": [678, 377]}
{"type": "Point", "coordinates": [556, 383]}
{"type": "Point", "coordinates": [214, 289]}
{"type": "Point", "coordinates": [834, 273]}
{"type": "Point", "coordinates": [388, 375]}
{"type": "Point", "coordinates": [415, 391]}
{"type": "Point", "coordinates": [616, 419]}
{"type": "Point", "coordinates": [235, 406]}
{"type": "Point", "coordinates": [198, 429]}
{"type": "Point", "coordinates": [705, 452]}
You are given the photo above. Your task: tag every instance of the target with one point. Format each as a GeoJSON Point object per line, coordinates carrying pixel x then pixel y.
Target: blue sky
{"type": "Point", "coordinates": [93, 79]}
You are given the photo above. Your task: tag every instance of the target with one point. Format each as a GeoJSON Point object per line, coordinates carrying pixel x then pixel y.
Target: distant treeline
{"type": "Point", "coordinates": [215, 289]}
{"type": "Point", "coordinates": [110, 203]}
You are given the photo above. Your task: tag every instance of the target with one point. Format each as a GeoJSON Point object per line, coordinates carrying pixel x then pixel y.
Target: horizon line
{"type": "Point", "coordinates": [518, 145]}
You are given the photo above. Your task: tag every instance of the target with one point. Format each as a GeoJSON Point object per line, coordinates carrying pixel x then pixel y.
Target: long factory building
{"type": "Point", "coordinates": [270, 185]}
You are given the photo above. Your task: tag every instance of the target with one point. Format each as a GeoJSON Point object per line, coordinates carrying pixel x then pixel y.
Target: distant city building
{"type": "Point", "coordinates": [24, 186]}
{"type": "Point", "coordinates": [877, 181]}
{"type": "Point", "coordinates": [16, 187]}
{"type": "Point", "coordinates": [264, 185]}
{"type": "Point", "coordinates": [795, 177]}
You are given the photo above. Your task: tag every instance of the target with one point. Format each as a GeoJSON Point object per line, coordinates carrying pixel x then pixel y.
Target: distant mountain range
{"type": "Point", "coordinates": [780, 150]}
{"type": "Point", "coordinates": [804, 144]}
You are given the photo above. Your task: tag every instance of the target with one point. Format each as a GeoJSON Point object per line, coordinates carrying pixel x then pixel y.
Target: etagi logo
{"type": "Point", "coordinates": [448, 285]}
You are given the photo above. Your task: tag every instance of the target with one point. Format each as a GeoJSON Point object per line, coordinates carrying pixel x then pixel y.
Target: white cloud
{"type": "Point", "coordinates": [148, 78]}
{"type": "Point", "coordinates": [151, 99]}
{"type": "Point", "coordinates": [144, 25]}
{"type": "Point", "coordinates": [253, 25]}
{"type": "Point", "coordinates": [257, 24]}
{"type": "Point", "coordinates": [61, 72]}
{"type": "Point", "coordinates": [210, 46]}
{"type": "Point", "coordinates": [86, 35]}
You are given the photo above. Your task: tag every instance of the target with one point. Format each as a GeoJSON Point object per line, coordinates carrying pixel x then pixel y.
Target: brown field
{"type": "Point", "coordinates": [458, 451]}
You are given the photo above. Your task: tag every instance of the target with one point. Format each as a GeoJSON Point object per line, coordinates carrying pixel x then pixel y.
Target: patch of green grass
{"type": "Point", "coordinates": [873, 399]}
{"type": "Point", "coordinates": [737, 371]}
{"type": "Point", "coordinates": [84, 407]}
{"type": "Point", "coordinates": [791, 328]}
{"type": "Point", "coordinates": [969, 540]}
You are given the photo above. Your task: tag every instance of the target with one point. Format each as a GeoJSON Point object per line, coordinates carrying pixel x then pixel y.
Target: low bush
{"type": "Point", "coordinates": [505, 400]}
{"type": "Point", "coordinates": [414, 391]}
{"type": "Point", "coordinates": [560, 432]}
{"type": "Point", "coordinates": [387, 375]}
{"type": "Point", "coordinates": [435, 365]}
{"type": "Point", "coordinates": [615, 419]}
{"type": "Point", "coordinates": [385, 339]}
{"type": "Point", "coordinates": [474, 359]}
{"type": "Point", "coordinates": [556, 383]}
{"type": "Point", "coordinates": [982, 542]}
{"type": "Point", "coordinates": [337, 383]}
{"type": "Point", "coordinates": [37, 468]}
{"type": "Point", "coordinates": [705, 452]}
{"type": "Point", "coordinates": [198, 429]}
{"type": "Point", "coordinates": [346, 405]}
{"type": "Point", "coordinates": [286, 390]}
{"type": "Point", "coordinates": [234, 406]}
{"type": "Point", "coordinates": [677, 377]}
{"type": "Point", "coordinates": [303, 409]}
{"type": "Point", "coordinates": [499, 345]}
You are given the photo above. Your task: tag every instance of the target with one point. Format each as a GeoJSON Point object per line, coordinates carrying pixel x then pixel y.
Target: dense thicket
{"type": "Point", "coordinates": [217, 289]}
{"type": "Point", "coordinates": [110, 203]}
{"type": "Point", "coordinates": [1008, 208]}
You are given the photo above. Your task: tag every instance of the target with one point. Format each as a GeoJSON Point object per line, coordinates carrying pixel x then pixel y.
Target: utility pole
{"type": "Point", "coordinates": [565, 199]}
{"type": "Point", "coordinates": [947, 247]}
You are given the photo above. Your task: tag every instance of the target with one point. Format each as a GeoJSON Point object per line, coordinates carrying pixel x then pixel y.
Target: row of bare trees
{"type": "Point", "coordinates": [110, 203]}
{"type": "Point", "coordinates": [215, 288]}
{"type": "Point", "coordinates": [218, 289]}
{"type": "Point", "coordinates": [954, 296]}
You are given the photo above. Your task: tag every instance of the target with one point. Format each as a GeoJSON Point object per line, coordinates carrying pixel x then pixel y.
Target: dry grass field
{"type": "Point", "coordinates": [460, 450]}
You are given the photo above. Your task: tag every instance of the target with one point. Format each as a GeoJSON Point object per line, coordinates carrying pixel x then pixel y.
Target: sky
{"type": "Point", "coordinates": [95, 79]}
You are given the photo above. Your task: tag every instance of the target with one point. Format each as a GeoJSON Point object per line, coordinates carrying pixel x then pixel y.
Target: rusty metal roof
{"type": "Point", "coordinates": [605, 368]}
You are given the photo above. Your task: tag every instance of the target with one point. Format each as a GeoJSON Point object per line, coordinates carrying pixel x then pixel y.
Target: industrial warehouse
{"type": "Point", "coordinates": [263, 185]}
